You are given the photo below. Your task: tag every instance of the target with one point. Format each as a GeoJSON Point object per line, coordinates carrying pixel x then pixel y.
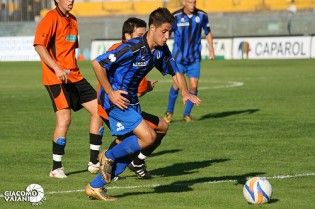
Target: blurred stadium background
{"type": "Point", "coordinates": [102, 19]}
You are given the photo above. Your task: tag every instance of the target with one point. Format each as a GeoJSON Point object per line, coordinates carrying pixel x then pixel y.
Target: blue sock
{"type": "Point", "coordinates": [97, 182]}
{"type": "Point", "coordinates": [189, 106]}
{"type": "Point", "coordinates": [128, 146]}
{"type": "Point", "coordinates": [120, 166]}
{"type": "Point", "coordinates": [172, 99]}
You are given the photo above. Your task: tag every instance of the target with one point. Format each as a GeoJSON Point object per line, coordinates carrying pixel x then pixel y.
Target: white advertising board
{"type": "Point", "coordinates": [99, 47]}
{"type": "Point", "coordinates": [17, 49]}
{"type": "Point", "coordinates": [222, 47]}
{"type": "Point", "coordinates": [295, 47]}
{"type": "Point", "coordinates": [313, 47]}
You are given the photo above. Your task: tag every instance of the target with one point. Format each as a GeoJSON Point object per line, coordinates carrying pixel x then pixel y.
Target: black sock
{"type": "Point", "coordinates": [57, 150]}
{"type": "Point", "coordinates": [113, 144]}
{"type": "Point", "coordinates": [148, 151]}
{"type": "Point", "coordinates": [95, 140]}
{"type": "Point", "coordinates": [137, 160]}
{"type": "Point", "coordinates": [56, 164]}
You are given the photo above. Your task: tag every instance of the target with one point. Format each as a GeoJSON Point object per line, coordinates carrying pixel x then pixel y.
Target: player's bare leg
{"type": "Point", "coordinates": [63, 120]}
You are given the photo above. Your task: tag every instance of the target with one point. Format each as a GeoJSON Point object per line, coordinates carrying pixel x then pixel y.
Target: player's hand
{"type": "Point", "coordinates": [193, 98]}
{"type": "Point", "coordinates": [151, 85]}
{"type": "Point", "coordinates": [62, 75]}
{"type": "Point", "coordinates": [211, 55]}
{"type": "Point", "coordinates": [117, 98]}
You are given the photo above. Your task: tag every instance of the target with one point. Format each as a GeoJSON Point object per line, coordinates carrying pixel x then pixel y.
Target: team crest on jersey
{"type": "Point", "coordinates": [119, 126]}
{"type": "Point", "coordinates": [197, 19]}
{"type": "Point", "coordinates": [112, 57]}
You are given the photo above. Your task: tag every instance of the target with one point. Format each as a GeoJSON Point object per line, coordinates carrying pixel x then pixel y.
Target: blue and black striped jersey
{"type": "Point", "coordinates": [129, 63]}
{"type": "Point", "coordinates": [187, 35]}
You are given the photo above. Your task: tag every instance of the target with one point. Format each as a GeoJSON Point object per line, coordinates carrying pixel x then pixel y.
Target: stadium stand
{"type": "Point", "coordinates": [143, 7]}
{"type": "Point", "coordinates": [22, 10]}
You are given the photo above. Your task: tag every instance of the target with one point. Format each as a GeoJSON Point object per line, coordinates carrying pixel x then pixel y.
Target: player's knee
{"type": "Point", "coordinates": [163, 126]}
{"type": "Point", "coordinates": [193, 89]}
{"type": "Point", "coordinates": [64, 122]}
{"type": "Point", "coordinates": [151, 135]}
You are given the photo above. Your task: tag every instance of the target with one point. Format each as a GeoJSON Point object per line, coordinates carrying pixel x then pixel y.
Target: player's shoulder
{"type": "Point", "coordinates": [51, 18]}
{"type": "Point", "coordinates": [114, 46]}
{"type": "Point", "coordinates": [52, 14]}
{"type": "Point", "coordinates": [135, 43]}
{"type": "Point", "coordinates": [199, 11]}
{"type": "Point", "coordinates": [178, 12]}
{"type": "Point", "coordinates": [72, 16]}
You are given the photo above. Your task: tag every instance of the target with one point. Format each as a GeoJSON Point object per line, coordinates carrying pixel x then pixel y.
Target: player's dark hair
{"type": "Point", "coordinates": [130, 24]}
{"type": "Point", "coordinates": [159, 16]}
{"type": "Point", "coordinates": [56, 3]}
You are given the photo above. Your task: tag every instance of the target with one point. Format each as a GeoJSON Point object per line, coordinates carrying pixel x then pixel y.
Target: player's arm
{"type": "Point", "coordinates": [45, 56]}
{"type": "Point", "coordinates": [210, 43]}
{"type": "Point", "coordinates": [149, 87]}
{"type": "Point", "coordinates": [115, 96]}
{"type": "Point", "coordinates": [180, 81]}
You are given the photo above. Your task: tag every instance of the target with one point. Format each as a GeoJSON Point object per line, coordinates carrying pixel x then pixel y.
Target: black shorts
{"type": "Point", "coordinates": [71, 95]}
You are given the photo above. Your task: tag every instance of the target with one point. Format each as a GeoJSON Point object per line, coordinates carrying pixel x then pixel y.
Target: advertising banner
{"type": "Point", "coordinates": [17, 49]}
{"type": "Point", "coordinates": [295, 47]}
{"type": "Point", "coordinates": [313, 47]}
{"type": "Point", "coordinates": [222, 47]}
{"type": "Point", "coordinates": [99, 47]}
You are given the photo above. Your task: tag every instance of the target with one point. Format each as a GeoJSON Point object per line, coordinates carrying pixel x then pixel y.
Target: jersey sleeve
{"type": "Point", "coordinates": [118, 56]}
{"type": "Point", "coordinates": [46, 29]}
{"type": "Point", "coordinates": [206, 24]}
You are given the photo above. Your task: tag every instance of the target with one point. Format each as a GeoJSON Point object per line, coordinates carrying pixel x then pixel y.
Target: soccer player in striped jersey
{"type": "Point", "coordinates": [187, 28]}
{"type": "Point", "coordinates": [134, 27]}
{"type": "Point", "coordinates": [56, 39]}
{"type": "Point", "coordinates": [119, 73]}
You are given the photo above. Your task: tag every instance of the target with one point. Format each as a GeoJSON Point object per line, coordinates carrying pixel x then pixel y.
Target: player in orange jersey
{"type": "Point", "coordinates": [132, 28]}
{"type": "Point", "coordinates": [56, 39]}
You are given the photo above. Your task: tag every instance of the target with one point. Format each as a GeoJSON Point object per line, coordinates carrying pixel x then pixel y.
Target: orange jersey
{"type": "Point", "coordinates": [59, 34]}
{"type": "Point", "coordinates": [143, 85]}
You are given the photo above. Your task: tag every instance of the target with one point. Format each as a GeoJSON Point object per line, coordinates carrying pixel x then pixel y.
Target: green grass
{"type": "Point", "coordinates": [263, 127]}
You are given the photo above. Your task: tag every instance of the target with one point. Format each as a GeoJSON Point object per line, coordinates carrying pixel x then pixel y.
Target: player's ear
{"type": "Point", "coordinates": [128, 36]}
{"type": "Point", "coordinates": [152, 27]}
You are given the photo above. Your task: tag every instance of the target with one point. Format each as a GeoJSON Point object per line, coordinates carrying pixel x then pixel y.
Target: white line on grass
{"type": "Point", "coordinates": [215, 84]}
{"type": "Point", "coordinates": [157, 185]}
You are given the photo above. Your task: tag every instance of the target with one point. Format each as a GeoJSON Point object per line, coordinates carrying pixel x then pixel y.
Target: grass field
{"type": "Point", "coordinates": [257, 119]}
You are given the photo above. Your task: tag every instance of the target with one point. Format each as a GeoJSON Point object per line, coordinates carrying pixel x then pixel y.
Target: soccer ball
{"type": "Point", "coordinates": [257, 190]}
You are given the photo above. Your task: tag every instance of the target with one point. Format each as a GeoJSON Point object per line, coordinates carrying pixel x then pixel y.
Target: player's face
{"type": "Point", "coordinates": [162, 34]}
{"type": "Point", "coordinates": [138, 32]}
{"type": "Point", "coordinates": [65, 5]}
{"type": "Point", "coordinates": [189, 6]}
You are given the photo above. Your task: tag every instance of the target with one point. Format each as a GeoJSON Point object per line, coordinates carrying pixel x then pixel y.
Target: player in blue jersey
{"type": "Point", "coordinates": [134, 27]}
{"type": "Point", "coordinates": [187, 28]}
{"type": "Point", "coordinates": [119, 73]}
